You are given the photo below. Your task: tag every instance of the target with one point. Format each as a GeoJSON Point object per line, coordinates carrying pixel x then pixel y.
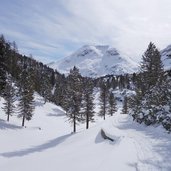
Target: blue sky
{"type": "Point", "coordinates": [52, 29]}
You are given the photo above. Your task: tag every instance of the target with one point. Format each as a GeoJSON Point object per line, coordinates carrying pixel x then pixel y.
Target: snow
{"type": "Point", "coordinates": [48, 144]}
{"type": "Point", "coordinates": [166, 57]}
{"type": "Point", "coordinates": [96, 61]}
{"type": "Point", "coordinates": [101, 60]}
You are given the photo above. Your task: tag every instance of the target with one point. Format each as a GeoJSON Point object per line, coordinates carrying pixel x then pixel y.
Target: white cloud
{"type": "Point", "coordinates": [61, 26]}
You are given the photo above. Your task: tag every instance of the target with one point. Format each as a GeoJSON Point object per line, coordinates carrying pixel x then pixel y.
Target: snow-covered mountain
{"type": "Point", "coordinates": [96, 61]}
{"type": "Point", "coordinates": [166, 57]}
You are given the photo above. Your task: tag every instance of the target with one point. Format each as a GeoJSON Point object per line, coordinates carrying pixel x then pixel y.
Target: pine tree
{"type": "Point", "coordinates": [125, 105]}
{"type": "Point", "coordinates": [104, 94]}
{"type": "Point", "coordinates": [112, 104]}
{"type": "Point", "coordinates": [60, 93]}
{"type": "Point", "coordinates": [26, 101]}
{"type": "Point", "coordinates": [74, 94]}
{"type": "Point", "coordinates": [46, 88]}
{"type": "Point", "coordinates": [9, 96]}
{"type": "Point", "coordinates": [151, 67]}
{"type": "Point", "coordinates": [2, 64]}
{"type": "Point", "coordinates": [151, 78]}
{"type": "Point", "coordinates": [88, 105]}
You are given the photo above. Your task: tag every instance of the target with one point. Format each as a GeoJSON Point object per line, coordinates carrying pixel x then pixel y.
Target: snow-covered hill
{"type": "Point", "coordinates": [96, 61]}
{"type": "Point", "coordinates": [53, 147]}
{"type": "Point", "coordinates": [166, 57]}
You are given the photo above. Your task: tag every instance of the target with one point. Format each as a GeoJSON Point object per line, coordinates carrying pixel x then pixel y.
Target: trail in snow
{"type": "Point", "coordinates": [152, 147]}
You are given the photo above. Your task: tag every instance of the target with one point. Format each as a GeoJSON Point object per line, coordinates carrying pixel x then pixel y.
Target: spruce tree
{"type": "Point", "coordinates": [151, 67]}
{"type": "Point", "coordinates": [145, 103]}
{"type": "Point", "coordinates": [26, 101]}
{"type": "Point", "coordinates": [46, 88]}
{"type": "Point", "coordinates": [9, 96]}
{"type": "Point", "coordinates": [2, 64]}
{"type": "Point", "coordinates": [88, 104]}
{"type": "Point", "coordinates": [125, 105]}
{"type": "Point", "coordinates": [74, 94]}
{"type": "Point", "coordinates": [60, 93]}
{"type": "Point", "coordinates": [104, 94]}
{"type": "Point", "coordinates": [112, 104]}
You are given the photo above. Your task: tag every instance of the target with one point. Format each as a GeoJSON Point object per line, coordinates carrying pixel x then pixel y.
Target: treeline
{"type": "Point", "coordinates": [21, 76]}
{"type": "Point", "coordinates": [151, 102]}
{"type": "Point", "coordinates": [78, 99]}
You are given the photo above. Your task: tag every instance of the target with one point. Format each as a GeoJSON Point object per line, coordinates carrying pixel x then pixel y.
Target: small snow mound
{"type": "Point", "coordinates": [105, 136]}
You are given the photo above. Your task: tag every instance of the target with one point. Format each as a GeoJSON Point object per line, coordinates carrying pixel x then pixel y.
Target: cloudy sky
{"type": "Point", "coordinates": [52, 29]}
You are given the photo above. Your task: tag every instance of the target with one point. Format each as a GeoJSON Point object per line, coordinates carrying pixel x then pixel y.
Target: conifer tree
{"type": "Point", "coordinates": [60, 93]}
{"type": "Point", "coordinates": [125, 105]}
{"type": "Point", "coordinates": [104, 94]}
{"type": "Point", "coordinates": [2, 64]}
{"type": "Point", "coordinates": [112, 104]}
{"type": "Point", "coordinates": [151, 77]}
{"type": "Point", "coordinates": [151, 67]}
{"type": "Point", "coordinates": [9, 96]}
{"type": "Point", "coordinates": [74, 94]}
{"type": "Point", "coordinates": [26, 101]}
{"type": "Point", "coordinates": [46, 88]}
{"type": "Point", "coordinates": [88, 105]}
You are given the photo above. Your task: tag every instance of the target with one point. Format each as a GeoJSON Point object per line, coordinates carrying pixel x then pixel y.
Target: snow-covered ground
{"type": "Point", "coordinates": [53, 147]}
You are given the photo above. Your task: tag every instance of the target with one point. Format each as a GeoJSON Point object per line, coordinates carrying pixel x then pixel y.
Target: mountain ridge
{"type": "Point", "coordinates": [96, 60]}
{"type": "Point", "coordinates": [101, 60]}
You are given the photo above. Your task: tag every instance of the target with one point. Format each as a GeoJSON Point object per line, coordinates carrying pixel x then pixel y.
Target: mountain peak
{"type": "Point", "coordinates": [96, 60]}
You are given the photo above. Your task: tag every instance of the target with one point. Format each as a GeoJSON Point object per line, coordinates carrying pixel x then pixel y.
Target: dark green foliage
{"type": "Point", "coordinates": [151, 67]}
{"type": "Point", "coordinates": [60, 93]}
{"type": "Point", "coordinates": [151, 104]}
{"type": "Point", "coordinates": [26, 102]}
{"type": "Point", "coordinates": [112, 104]}
{"type": "Point", "coordinates": [125, 105]}
{"type": "Point", "coordinates": [9, 96]}
{"type": "Point", "coordinates": [87, 102]}
{"type": "Point", "coordinates": [104, 95]}
{"type": "Point", "coordinates": [46, 88]}
{"type": "Point", "coordinates": [74, 94]}
{"type": "Point", "coordinates": [3, 47]}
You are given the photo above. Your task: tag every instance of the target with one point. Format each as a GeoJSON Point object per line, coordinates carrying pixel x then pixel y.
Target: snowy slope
{"type": "Point", "coordinates": [96, 61]}
{"type": "Point", "coordinates": [136, 147]}
{"type": "Point", "coordinates": [166, 57]}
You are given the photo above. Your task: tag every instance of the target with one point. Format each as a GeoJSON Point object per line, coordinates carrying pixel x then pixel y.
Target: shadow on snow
{"type": "Point", "coordinates": [5, 125]}
{"type": "Point", "coordinates": [57, 113]}
{"type": "Point", "coordinates": [161, 147]}
{"type": "Point", "coordinates": [40, 148]}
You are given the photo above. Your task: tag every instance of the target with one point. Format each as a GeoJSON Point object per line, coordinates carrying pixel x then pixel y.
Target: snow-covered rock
{"type": "Point", "coordinates": [166, 57]}
{"type": "Point", "coordinates": [96, 61]}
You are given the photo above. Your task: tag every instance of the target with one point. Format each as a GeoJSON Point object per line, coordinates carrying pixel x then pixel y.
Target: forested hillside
{"type": "Point", "coordinates": [149, 101]}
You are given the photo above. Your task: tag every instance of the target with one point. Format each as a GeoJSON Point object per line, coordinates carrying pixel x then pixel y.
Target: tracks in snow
{"type": "Point", "coordinates": [147, 158]}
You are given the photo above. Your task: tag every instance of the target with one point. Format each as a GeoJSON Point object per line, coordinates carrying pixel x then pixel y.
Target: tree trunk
{"type": "Point", "coordinates": [74, 124]}
{"type": "Point", "coordinates": [23, 121]}
{"type": "Point", "coordinates": [87, 121]}
{"type": "Point", "coordinates": [104, 108]}
{"type": "Point", "coordinates": [8, 117]}
{"type": "Point", "coordinates": [104, 112]}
